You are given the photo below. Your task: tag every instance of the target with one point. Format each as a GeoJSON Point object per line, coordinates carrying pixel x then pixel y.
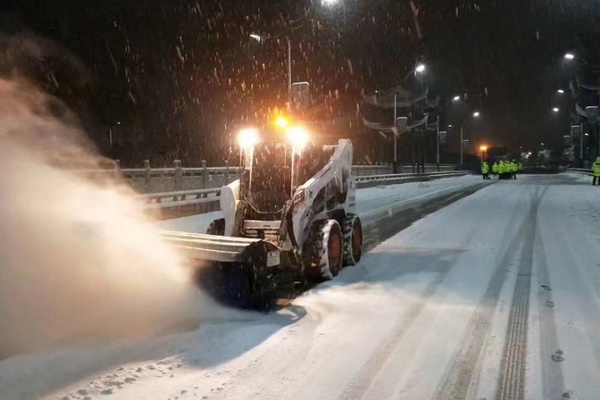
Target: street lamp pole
{"type": "Point", "coordinates": [462, 141]}
{"type": "Point", "coordinates": [437, 144]}
{"type": "Point", "coordinates": [259, 39]}
{"type": "Point", "coordinates": [289, 63]}
{"type": "Point", "coordinates": [395, 166]}
{"type": "Point", "coordinates": [419, 69]}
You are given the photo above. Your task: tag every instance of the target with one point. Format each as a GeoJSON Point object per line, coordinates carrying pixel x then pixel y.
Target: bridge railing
{"type": "Point", "coordinates": [179, 178]}
{"type": "Point", "coordinates": [584, 171]}
{"type": "Point", "coordinates": [199, 201]}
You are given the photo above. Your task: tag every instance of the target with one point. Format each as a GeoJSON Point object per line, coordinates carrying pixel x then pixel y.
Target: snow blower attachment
{"type": "Point", "coordinates": [286, 221]}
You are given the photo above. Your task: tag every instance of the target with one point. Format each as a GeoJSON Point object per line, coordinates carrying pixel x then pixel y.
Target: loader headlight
{"type": "Point", "coordinates": [297, 137]}
{"type": "Point", "coordinates": [248, 138]}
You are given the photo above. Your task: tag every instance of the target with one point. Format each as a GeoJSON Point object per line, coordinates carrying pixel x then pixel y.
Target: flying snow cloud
{"type": "Point", "coordinates": [78, 258]}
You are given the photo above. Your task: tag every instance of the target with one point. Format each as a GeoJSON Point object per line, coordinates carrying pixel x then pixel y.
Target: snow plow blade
{"type": "Point", "coordinates": [235, 271]}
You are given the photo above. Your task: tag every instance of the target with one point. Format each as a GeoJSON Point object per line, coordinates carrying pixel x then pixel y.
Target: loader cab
{"type": "Point", "coordinates": [266, 178]}
{"type": "Point", "coordinates": [273, 165]}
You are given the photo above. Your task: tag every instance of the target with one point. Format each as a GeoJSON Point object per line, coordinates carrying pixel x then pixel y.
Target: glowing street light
{"type": "Point", "coordinates": [555, 109]}
{"type": "Point", "coordinates": [476, 114]}
{"type": "Point", "coordinates": [483, 149]}
{"type": "Point", "coordinates": [330, 2]}
{"type": "Point", "coordinates": [560, 91]}
{"type": "Point", "coordinates": [420, 68]}
{"type": "Point", "coordinates": [569, 56]}
{"type": "Point", "coordinates": [456, 98]}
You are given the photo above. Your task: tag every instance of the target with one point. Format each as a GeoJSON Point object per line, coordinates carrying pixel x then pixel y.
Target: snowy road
{"type": "Point", "coordinates": [495, 296]}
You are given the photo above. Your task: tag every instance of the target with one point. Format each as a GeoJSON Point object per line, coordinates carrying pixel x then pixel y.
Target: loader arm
{"type": "Point", "coordinates": [331, 189]}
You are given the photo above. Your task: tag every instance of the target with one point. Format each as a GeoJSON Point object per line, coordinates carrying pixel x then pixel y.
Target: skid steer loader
{"type": "Point", "coordinates": [288, 219]}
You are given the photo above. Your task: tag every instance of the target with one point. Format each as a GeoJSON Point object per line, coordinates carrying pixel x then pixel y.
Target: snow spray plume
{"type": "Point", "coordinates": [78, 259]}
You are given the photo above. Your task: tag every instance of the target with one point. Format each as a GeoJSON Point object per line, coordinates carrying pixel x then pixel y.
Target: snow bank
{"type": "Point", "coordinates": [77, 257]}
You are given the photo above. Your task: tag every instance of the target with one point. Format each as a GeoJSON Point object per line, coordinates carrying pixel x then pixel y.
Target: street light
{"type": "Point", "coordinates": [419, 69]}
{"type": "Point", "coordinates": [456, 98]}
{"type": "Point", "coordinates": [569, 56]}
{"type": "Point", "coordinates": [483, 149]}
{"type": "Point", "coordinates": [462, 132]}
{"type": "Point", "coordinates": [555, 109]}
{"type": "Point", "coordinates": [560, 91]}
{"type": "Point", "coordinates": [260, 39]}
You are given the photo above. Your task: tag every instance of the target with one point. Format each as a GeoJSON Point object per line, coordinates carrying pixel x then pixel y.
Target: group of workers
{"type": "Point", "coordinates": [501, 169]}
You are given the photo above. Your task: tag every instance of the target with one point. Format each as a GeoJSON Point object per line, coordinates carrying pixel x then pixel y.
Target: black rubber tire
{"type": "Point", "coordinates": [217, 227]}
{"type": "Point", "coordinates": [324, 248]}
{"type": "Point", "coordinates": [353, 239]}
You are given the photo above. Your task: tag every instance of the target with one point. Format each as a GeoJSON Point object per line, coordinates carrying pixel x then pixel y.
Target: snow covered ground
{"type": "Point", "coordinates": [495, 296]}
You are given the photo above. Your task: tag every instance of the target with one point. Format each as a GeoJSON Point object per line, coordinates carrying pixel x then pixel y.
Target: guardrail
{"type": "Point", "coordinates": [391, 179]}
{"type": "Point", "coordinates": [179, 178]}
{"type": "Point", "coordinates": [182, 203]}
{"type": "Point", "coordinates": [198, 196]}
{"type": "Point", "coordinates": [585, 171]}
{"type": "Point", "coordinates": [190, 202]}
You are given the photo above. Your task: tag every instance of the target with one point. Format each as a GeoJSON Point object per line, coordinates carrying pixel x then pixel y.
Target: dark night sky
{"type": "Point", "coordinates": [185, 74]}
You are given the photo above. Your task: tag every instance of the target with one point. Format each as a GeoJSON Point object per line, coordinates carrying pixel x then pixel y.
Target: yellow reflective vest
{"type": "Point", "coordinates": [596, 167]}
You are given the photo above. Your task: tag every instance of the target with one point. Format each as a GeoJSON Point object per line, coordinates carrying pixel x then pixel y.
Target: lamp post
{"type": "Point", "coordinates": [570, 57]}
{"type": "Point", "coordinates": [260, 39]}
{"type": "Point", "coordinates": [437, 144]}
{"type": "Point", "coordinates": [419, 69]}
{"type": "Point", "coordinates": [462, 141]}
{"type": "Point", "coordinates": [483, 149]}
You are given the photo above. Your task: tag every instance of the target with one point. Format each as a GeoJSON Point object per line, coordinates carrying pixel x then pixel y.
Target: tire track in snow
{"type": "Point", "coordinates": [398, 220]}
{"type": "Point", "coordinates": [511, 382]}
{"type": "Point", "coordinates": [366, 377]}
{"type": "Point", "coordinates": [361, 383]}
{"type": "Point", "coordinates": [456, 383]}
{"type": "Point", "coordinates": [553, 380]}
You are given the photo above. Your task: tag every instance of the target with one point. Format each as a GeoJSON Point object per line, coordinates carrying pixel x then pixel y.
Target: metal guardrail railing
{"type": "Point", "coordinates": [395, 177]}
{"type": "Point", "coordinates": [183, 196]}
{"type": "Point", "coordinates": [201, 196]}
{"type": "Point", "coordinates": [585, 171]}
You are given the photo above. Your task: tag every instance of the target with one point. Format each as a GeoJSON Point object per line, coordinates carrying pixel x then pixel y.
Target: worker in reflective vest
{"type": "Point", "coordinates": [495, 169]}
{"type": "Point", "coordinates": [501, 170]}
{"type": "Point", "coordinates": [485, 170]}
{"type": "Point", "coordinates": [596, 171]}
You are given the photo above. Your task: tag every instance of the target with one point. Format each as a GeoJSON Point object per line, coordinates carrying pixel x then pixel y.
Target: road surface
{"type": "Point", "coordinates": [494, 297]}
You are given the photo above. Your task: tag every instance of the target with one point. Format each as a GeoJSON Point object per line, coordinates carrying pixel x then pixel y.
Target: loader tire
{"type": "Point", "coordinates": [353, 239]}
{"type": "Point", "coordinates": [217, 227]}
{"type": "Point", "coordinates": [324, 249]}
